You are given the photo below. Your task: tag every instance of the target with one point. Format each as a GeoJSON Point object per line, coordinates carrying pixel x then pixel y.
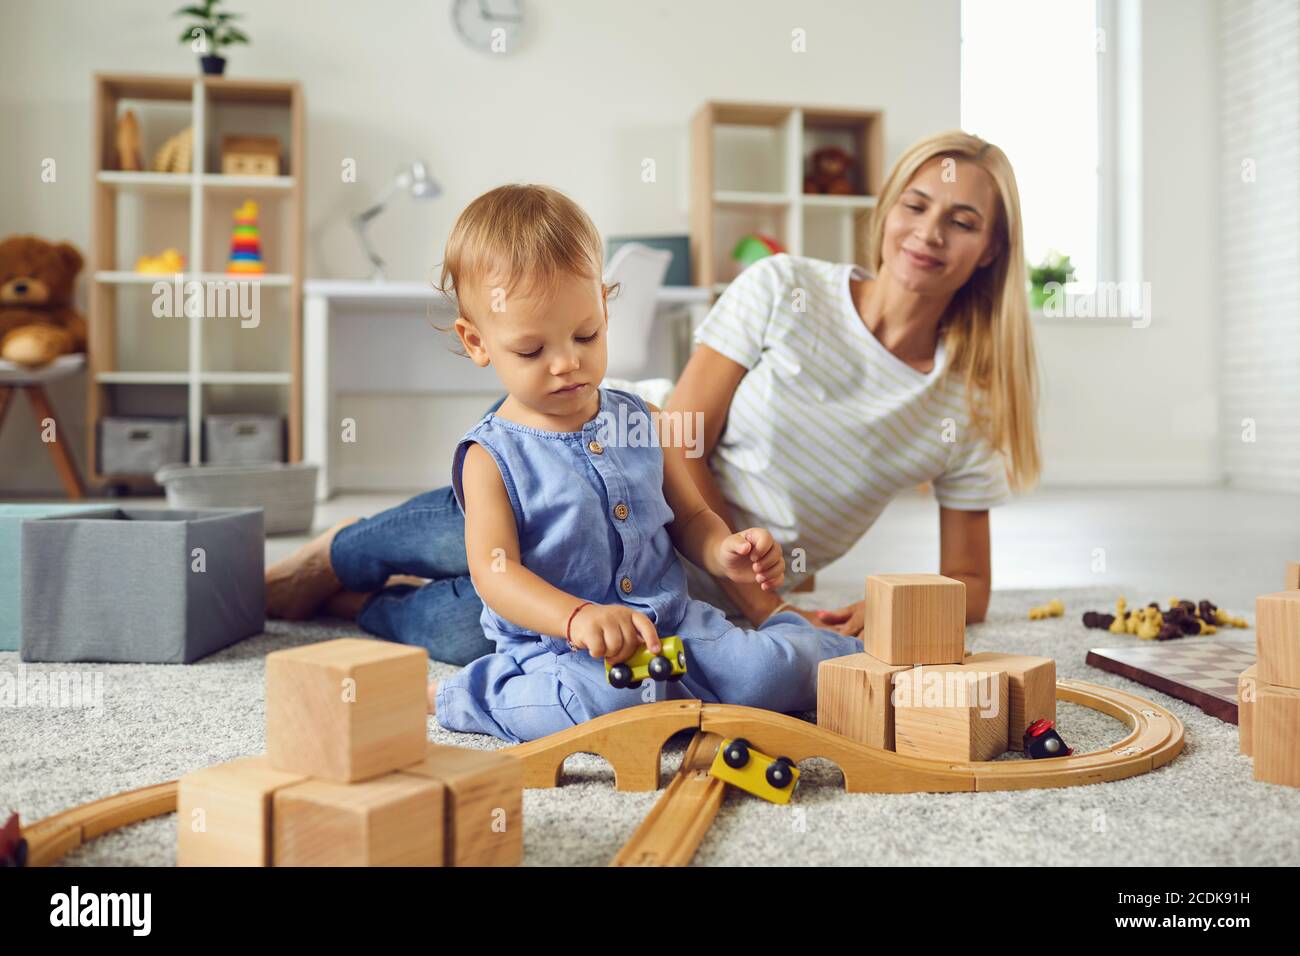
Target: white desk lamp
{"type": "Point", "coordinates": [413, 178]}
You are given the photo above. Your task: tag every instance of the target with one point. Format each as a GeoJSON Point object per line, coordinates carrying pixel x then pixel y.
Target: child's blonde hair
{"type": "Point", "coordinates": [520, 238]}
{"type": "Point", "coordinates": [987, 334]}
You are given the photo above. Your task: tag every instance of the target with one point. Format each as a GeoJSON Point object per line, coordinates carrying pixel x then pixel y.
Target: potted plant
{"type": "Point", "coordinates": [1055, 267]}
{"type": "Point", "coordinates": [211, 31]}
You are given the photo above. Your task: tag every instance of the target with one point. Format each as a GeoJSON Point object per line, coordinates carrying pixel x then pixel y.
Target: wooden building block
{"type": "Point", "coordinates": [1277, 638]}
{"type": "Point", "coordinates": [484, 808]}
{"type": "Point", "coordinates": [393, 820]}
{"type": "Point", "coordinates": [223, 813]}
{"type": "Point", "coordinates": [1031, 690]}
{"type": "Point", "coordinates": [854, 698]}
{"type": "Point", "coordinates": [1292, 576]}
{"type": "Point", "coordinates": [1247, 690]}
{"type": "Point", "coordinates": [951, 712]}
{"type": "Point", "coordinates": [346, 710]}
{"type": "Point", "coordinates": [915, 619]}
{"type": "Point", "coordinates": [1277, 734]}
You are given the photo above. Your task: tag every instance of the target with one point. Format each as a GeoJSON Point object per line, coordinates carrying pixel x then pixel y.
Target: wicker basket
{"type": "Point", "coordinates": [285, 492]}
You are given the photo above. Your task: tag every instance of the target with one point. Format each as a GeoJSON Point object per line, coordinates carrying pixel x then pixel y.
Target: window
{"type": "Point", "coordinates": [1033, 82]}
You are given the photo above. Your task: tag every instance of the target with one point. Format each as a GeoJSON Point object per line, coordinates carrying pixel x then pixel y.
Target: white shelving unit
{"type": "Point", "coordinates": [195, 356]}
{"type": "Point", "coordinates": [748, 162]}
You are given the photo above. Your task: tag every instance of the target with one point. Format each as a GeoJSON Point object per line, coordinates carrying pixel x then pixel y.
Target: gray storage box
{"type": "Point", "coordinates": [11, 559]}
{"type": "Point", "coordinates": [239, 439]}
{"type": "Point", "coordinates": [139, 446]}
{"type": "Point", "coordinates": [285, 492]}
{"type": "Point", "coordinates": [126, 585]}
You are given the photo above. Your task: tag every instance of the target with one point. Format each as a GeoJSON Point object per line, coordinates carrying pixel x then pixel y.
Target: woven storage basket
{"type": "Point", "coordinates": [285, 492]}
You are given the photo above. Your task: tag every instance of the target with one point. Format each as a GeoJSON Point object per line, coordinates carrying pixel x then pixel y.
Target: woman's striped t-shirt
{"type": "Point", "coordinates": [828, 425]}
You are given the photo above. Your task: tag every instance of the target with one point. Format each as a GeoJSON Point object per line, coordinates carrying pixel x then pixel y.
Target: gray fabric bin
{"type": "Point", "coordinates": [119, 586]}
{"type": "Point", "coordinates": [286, 493]}
{"type": "Point", "coordinates": [239, 439]}
{"type": "Point", "coordinates": [139, 446]}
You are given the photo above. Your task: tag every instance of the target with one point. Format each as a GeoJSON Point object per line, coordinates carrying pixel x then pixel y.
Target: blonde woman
{"type": "Point", "coordinates": [826, 390]}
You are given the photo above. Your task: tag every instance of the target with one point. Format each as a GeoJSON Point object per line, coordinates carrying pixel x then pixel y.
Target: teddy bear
{"type": "Point", "coordinates": [832, 172]}
{"type": "Point", "coordinates": [38, 322]}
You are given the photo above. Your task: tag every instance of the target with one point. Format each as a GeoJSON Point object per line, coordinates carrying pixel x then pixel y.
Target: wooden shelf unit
{"type": "Point", "coordinates": [748, 162]}
{"type": "Point", "coordinates": [279, 103]}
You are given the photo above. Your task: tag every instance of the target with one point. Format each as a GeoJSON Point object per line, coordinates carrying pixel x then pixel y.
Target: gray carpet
{"type": "Point", "coordinates": [159, 722]}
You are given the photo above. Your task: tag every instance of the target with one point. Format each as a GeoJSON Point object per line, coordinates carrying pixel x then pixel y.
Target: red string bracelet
{"type": "Point", "coordinates": [570, 624]}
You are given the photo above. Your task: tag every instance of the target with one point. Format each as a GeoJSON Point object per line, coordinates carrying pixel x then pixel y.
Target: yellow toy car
{"type": "Point", "coordinates": [669, 665]}
{"type": "Point", "coordinates": [739, 764]}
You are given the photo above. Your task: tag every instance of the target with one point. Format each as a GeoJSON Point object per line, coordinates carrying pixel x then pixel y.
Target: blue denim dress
{"type": "Point", "coordinates": [591, 517]}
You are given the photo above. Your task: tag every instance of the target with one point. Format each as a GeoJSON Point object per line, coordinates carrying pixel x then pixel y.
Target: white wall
{"type": "Point", "coordinates": [1259, 105]}
{"type": "Point", "coordinates": [597, 87]}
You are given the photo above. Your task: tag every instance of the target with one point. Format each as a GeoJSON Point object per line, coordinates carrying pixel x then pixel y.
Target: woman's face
{"type": "Point", "coordinates": [941, 228]}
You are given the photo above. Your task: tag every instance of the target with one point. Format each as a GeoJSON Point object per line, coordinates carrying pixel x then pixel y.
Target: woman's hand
{"type": "Point", "coordinates": [846, 620]}
{"type": "Point", "coordinates": [753, 555]}
{"type": "Point", "coordinates": [612, 631]}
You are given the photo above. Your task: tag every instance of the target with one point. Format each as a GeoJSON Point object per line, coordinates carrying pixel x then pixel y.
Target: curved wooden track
{"type": "Point", "coordinates": [631, 740]}
{"type": "Point", "coordinates": [49, 839]}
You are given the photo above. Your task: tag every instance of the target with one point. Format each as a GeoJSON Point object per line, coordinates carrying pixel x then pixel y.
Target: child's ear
{"type": "Point", "coordinates": [471, 341]}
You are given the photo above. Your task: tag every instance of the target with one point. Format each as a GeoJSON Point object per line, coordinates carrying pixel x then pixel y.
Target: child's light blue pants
{"type": "Point", "coordinates": [533, 688]}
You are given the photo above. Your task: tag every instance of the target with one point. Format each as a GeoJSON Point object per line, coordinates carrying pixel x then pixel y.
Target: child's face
{"type": "Point", "coordinates": [548, 349]}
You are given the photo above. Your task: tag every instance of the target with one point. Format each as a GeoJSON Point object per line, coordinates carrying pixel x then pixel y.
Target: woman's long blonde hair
{"type": "Point", "coordinates": [986, 330]}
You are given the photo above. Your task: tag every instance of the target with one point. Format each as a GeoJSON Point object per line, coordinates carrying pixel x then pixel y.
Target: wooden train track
{"type": "Point", "coordinates": [671, 833]}
{"type": "Point", "coordinates": [49, 839]}
{"type": "Point", "coordinates": [632, 739]}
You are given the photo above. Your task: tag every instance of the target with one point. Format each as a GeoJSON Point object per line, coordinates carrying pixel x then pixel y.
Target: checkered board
{"type": "Point", "coordinates": [1200, 671]}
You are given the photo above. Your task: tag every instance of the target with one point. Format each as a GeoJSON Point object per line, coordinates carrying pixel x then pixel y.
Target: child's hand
{"type": "Point", "coordinates": [612, 631]}
{"type": "Point", "coordinates": [753, 555]}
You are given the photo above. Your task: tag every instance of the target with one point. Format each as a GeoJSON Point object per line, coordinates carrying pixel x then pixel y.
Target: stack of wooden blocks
{"type": "Point", "coordinates": [915, 690]}
{"type": "Point", "coordinates": [349, 777]}
{"type": "Point", "coordinates": [1268, 692]}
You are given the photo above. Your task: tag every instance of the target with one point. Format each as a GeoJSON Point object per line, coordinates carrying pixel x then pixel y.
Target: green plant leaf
{"type": "Point", "coordinates": [199, 12]}
{"type": "Point", "coordinates": [236, 36]}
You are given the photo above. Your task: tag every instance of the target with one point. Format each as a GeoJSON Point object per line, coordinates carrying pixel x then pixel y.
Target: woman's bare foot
{"type": "Point", "coordinates": [433, 696]}
{"type": "Point", "coordinates": [296, 586]}
{"type": "Point", "coordinates": [348, 604]}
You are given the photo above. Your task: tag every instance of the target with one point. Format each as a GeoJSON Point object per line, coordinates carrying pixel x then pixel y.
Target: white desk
{"type": "Point", "coordinates": [369, 336]}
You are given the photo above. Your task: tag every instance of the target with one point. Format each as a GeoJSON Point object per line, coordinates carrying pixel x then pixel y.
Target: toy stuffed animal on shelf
{"type": "Point", "coordinates": [832, 171]}
{"type": "Point", "coordinates": [38, 322]}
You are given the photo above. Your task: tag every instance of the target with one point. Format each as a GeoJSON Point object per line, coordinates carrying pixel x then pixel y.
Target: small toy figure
{"type": "Point", "coordinates": [740, 765]}
{"type": "Point", "coordinates": [1120, 624]}
{"type": "Point", "coordinates": [1053, 608]}
{"type": "Point", "coordinates": [246, 242]}
{"type": "Point", "coordinates": [128, 143]}
{"type": "Point", "coordinates": [1098, 620]}
{"type": "Point", "coordinates": [165, 263]}
{"type": "Point", "coordinates": [1151, 623]}
{"type": "Point", "coordinates": [669, 665]}
{"type": "Point", "coordinates": [13, 848]}
{"type": "Point", "coordinates": [1042, 740]}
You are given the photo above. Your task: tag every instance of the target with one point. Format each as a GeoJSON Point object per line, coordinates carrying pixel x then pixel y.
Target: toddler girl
{"type": "Point", "coordinates": [573, 513]}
